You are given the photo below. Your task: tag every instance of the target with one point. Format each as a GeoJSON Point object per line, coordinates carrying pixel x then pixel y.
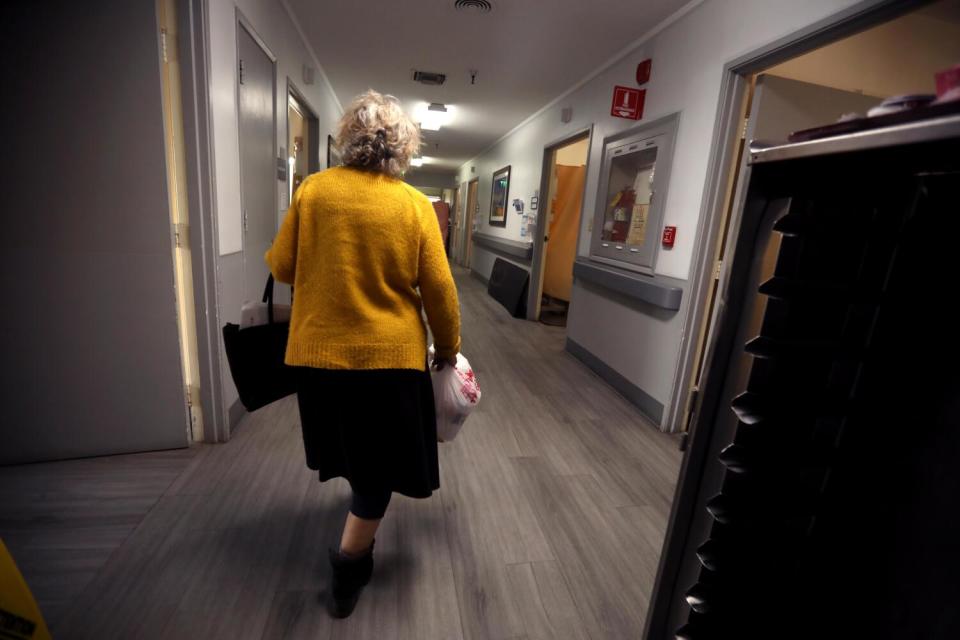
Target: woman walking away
{"type": "Point", "coordinates": [364, 253]}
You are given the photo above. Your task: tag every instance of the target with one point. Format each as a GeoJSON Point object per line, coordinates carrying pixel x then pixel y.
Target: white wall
{"type": "Point", "coordinates": [688, 59]}
{"type": "Point", "coordinates": [432, 179]}
{"type": "Point", "coordinates": [523, 151]}
{"type": "Point", "coordinates": [430, 192]}
{"type": "Point", "coordinates": [272, 24]}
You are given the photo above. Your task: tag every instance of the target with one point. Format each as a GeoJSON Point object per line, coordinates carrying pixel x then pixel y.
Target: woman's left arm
{"type": "Point", "coordinates": [282, 256]}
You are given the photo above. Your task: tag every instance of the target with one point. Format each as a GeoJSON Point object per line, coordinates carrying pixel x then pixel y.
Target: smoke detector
{"type": "Point", "coordinates": [429, 77]}
{"type": "Point", "coordinates": [473, 6]}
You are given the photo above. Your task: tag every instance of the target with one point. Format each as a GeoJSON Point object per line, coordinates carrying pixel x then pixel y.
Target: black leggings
{"type": "Point", "coordinates": [369, 504]}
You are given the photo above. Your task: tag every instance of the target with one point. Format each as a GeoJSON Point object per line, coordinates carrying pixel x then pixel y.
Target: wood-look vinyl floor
{"type": "Point", "coordinates": [548, 524]}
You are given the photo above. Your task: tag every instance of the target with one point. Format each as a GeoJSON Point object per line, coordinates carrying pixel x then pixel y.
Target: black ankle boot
{"type": "Point", "coordinates": [350, 575]}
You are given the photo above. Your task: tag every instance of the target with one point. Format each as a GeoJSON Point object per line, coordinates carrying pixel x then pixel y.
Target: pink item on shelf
{"type": "Point", "coordinates": [948, 84]}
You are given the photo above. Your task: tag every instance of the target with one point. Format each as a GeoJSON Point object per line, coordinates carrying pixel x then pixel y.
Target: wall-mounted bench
{"type": "Point", "coordinates": [515, 249]}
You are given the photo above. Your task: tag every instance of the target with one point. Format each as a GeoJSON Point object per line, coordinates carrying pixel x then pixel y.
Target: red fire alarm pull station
{"type": "Point", "coordinates": [627, 102]}
{"type": "Point", "coordinates": [643, 71]}
{"type": "Point", "coordinates": [669, 237]}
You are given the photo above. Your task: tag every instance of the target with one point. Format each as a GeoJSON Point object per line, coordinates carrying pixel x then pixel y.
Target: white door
{"type": "Point", "coordinates": [88, 337]}
{"type": "Point", "coordinates": [258, 164]}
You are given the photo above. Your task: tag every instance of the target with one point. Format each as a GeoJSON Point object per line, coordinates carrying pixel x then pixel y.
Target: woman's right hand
{"type": "Point", "coordinates": [439, 363]}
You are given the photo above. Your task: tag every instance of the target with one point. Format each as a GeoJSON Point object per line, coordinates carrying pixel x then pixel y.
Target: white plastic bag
{"type": "Point", "coordinates": [456, 392]}
{"type": "Point", "coordinates": [254, 314]}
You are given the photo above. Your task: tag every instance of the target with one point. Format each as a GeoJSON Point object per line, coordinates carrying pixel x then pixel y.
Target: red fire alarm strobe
{"type": "Point", "coordinates": [643, 71]}
{"type": "Point", "coordinates": [627, 102]}
{"type": "Point", "coordinates": [669, 236]}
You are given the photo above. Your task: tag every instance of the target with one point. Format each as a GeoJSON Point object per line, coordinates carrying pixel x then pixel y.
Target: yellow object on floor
{"type": "Point", "coordinates": [19, 614]}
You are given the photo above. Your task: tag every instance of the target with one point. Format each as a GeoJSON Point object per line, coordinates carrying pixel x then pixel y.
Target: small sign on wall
{"type": "Point", "coordinates": [627, 102]}
{"type": "Point", "coordinates": [669, 237]}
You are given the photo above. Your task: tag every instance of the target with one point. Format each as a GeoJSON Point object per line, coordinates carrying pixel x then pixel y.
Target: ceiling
{"type": "Point", "coordinates": [526, 52]}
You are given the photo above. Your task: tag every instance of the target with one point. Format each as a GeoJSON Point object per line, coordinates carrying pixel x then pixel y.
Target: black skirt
{"type": "Point", "coordinates": [377, 428]}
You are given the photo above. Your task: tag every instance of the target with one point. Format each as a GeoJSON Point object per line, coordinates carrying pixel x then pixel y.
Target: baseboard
{"type": "Point", "coordinates": [236, 413]}
{"type": "Point", "coordinates": [637, 396]}
{"type": "Point", "coordinates": [479, 276]}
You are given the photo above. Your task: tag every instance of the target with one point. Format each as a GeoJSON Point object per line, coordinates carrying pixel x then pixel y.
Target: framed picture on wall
{"type": "Point", "coordinates": [498, 197]}
{"type": "Point", "coordinates": [333, 158]}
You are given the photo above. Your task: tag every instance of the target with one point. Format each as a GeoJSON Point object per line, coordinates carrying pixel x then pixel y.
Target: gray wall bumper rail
{"type": "Point", "coordinates": [655, 290]}
{"type": "Point", "coordinates": [509, 248]}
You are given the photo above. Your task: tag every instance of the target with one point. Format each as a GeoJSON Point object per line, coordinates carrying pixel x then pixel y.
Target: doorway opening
{"type": "Point", "coordinates": [470, 220]}
{"type": "Point", "coordinates": [303, 141]}
{"type": "Point", "coordinates": [842, 79]}
{"type": "Point", "coordinates": [558, 225]}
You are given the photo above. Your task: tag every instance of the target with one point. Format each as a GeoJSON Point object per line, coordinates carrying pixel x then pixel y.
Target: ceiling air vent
{"type": "Point", "coordinates": [427, 77]}
{"type": "Point", "coordinates": [474, 6]}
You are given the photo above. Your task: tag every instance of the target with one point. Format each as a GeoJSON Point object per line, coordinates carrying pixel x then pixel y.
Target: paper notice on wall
{"type": "Point", "coordinates": [638, 225]}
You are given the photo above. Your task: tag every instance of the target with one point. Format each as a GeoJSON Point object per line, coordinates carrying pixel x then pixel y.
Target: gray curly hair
{"type": "Point", "coordinates": [374, 133]}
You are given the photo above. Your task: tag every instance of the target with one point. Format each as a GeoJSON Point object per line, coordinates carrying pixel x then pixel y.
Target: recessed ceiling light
{"type": "Point", "coordinates": [433, 116]}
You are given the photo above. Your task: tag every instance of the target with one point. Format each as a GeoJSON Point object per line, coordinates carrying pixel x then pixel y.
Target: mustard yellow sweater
{"type": "Point", "coordinates": [364, 254]}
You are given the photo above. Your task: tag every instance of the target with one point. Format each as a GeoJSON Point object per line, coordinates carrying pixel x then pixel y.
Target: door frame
{"type": "Point", "coordinates": [733, 88]}
{"type": "Point", "coordinates": [468, 229]}
{"type": "Point", "coordinates": [313, 127]}
{"type": "Point", "coordinates": [538, 262]}
{"type": "Point", "coordinates": [461, 255]}
{"type": "Point", "coordinates": [194, 50]}
{"type": "Point", "coordinates": [176, 167]}
{"type": "Point", "coordinates": [734, 84]}
{"type": "Point", "coordinates": [454, 250]}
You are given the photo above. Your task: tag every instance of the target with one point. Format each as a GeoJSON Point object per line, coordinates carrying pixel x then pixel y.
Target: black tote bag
{"type": "Point", "coordinates": [255, 355]}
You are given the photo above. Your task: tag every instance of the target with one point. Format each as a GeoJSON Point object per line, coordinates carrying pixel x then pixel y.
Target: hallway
{"type": "Point", "coordinates": [548, 524]}
{"type": "Point", "coordinates": [721, 224]}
